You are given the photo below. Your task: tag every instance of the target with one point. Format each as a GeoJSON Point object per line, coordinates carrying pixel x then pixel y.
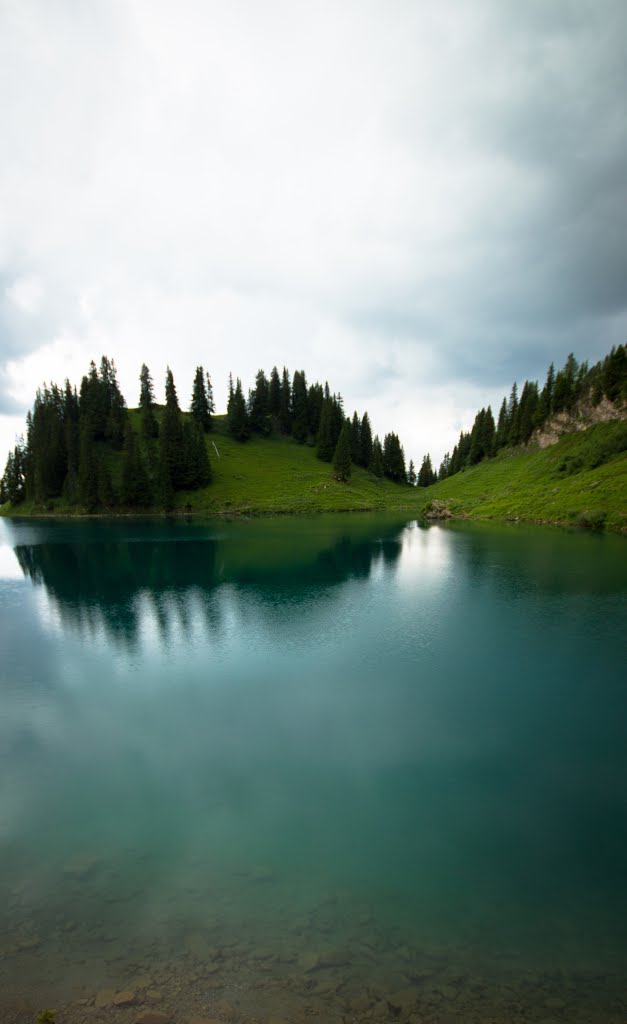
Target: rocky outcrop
{"type": "Point", "coordinates": [584, 415]}
{"type": "Point", "coordinates": [437, 509]}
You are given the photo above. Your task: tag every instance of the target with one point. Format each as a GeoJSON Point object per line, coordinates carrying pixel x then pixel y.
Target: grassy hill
{"type": "Point", "coordinates": [263, 475]}
{"type": "Point", "coordinates": [280, 475]}
{"type": "Point", "coordinates": [581, 481]}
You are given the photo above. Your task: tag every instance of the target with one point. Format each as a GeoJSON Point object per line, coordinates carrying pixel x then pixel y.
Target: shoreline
{"type": "Point", "coordinates": [255, 513]}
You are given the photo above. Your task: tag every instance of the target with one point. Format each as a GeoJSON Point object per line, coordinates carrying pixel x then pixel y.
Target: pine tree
{"type": "Point", "coordinates": [88, 471]}
{"type": "Point", "coordinates": [342, 455]}
{"type": "Point", "coordinates": [500, 439]}
{"type": "Point", "coordinates": [105, 492]}
{"type": "Point", "coordinates": [285, 407]}
{"type": "Point", "coordinates": [326, 445]}
{"type": "Point", "coordinates": [199, 407]}
{"type": "Point", "coordinates": [614, 374]}
{"type": "Point", "coordinates": [426, 476]}
{"type": "Point", "coordinates": [149, 425]}
{"type": "Point", "coordinates": [259, 415]}
{"type": "Point", "coordinates": [275, 393]}
{"type": "Point", "coordinates": [513, 417]}
{"type": "Point", "coordinates": [135, 487]}
{"type": "Point", "coordinates": [411, 474]}
{"type": "Point", "coordinates": [528, 409]}
{"type": "Point", "coordinates": [12, 485]}
{"type": "Point", "coordinates": [545, 405]}
{"type": "Point", "coordinates": [376, 464]}
{"type": "Point", "coordinates": [170, 441]}
{"type": "Point", "coordinates": [355, 438]}
{"type": "Point", "coordinates": [237, 416]}
{"type": "Point", "coordinates": [315, 400]}
{"type": "Point", "coordinates": [210, 402]}
{"type": "Point", "coordinates": [171, 398]}
{"type": "Point", "coordinates": [445, 467]}
{"type": "Point", "coordinates": [300, 417]}
{"type": "Point", "coordinates": [393, 459]}
{"type": "Point", "coordinates": [365, 442]}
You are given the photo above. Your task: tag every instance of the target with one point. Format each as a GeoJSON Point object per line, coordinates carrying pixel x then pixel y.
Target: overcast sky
{"type": "Point", "coordinates": [419, 202]}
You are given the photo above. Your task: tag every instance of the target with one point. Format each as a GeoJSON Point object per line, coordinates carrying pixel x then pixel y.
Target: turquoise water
{"type": "Point", "coordinates": [285, 763]}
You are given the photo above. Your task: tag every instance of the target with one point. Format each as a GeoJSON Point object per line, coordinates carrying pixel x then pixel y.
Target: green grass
{"type": "Point", "coordinates": [561, 484]}
{"type": "Point", "coordinates": [279, 475]}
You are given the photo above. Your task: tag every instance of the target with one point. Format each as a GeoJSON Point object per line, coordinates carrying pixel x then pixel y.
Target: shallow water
{"type": "Point", "coordinates": [295, 766]}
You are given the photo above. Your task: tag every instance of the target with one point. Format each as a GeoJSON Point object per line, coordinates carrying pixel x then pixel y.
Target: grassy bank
{"type": "Point", "coordinates": [581, 480]}
{"type": "Point", "coordinates": [264, 475]}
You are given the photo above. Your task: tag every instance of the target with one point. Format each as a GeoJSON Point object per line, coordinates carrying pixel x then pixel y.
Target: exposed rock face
{"type": "Point", "coordinates": [583, 416]}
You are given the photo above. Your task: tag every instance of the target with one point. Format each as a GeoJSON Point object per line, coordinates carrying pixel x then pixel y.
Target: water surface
{"type": "Point", "coordinates": [294, 766]}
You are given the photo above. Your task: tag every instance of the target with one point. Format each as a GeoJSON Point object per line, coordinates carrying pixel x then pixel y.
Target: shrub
{"type": "Point", "coordinates": [591, 519]}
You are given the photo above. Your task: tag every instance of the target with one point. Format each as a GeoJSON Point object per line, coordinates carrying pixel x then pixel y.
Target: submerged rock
{"type": "Point", "coordinates": [153, 1017]}
{"type": "Point", "coordinates": [104, 998]}
{"type": "Point", "coordinates": [125, 998]}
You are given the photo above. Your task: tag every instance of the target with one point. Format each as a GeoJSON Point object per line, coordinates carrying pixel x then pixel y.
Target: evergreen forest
{"type": "Point", "coordinates": [84, 445]}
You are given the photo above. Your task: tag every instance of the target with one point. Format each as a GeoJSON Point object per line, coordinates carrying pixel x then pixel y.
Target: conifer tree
{"type": "Point", "coordinates": [376, 463]}
{"type": "Point", "coordinates": [528, 409]}
{"type": "Point", "coordinates": [105, 492]}
{"type": "Point", "coordinates": [342, 454]}
{"type": "Point", "coordinates": [210, 401]}
{"type": "Point", "coordinates": [88, 471]}
{"type": "Point", "coordinates": [170, 442]}
{"type": "Point", "coordinates": [426, 476]}
{"type": "Point", "coordinates": [149, 425]}
{"type": "Point", "coordinates": [285, 408]}
{"type": "Point", "coordinates": [393, 458]}
{"type": "Point", "coordinates": [135, 486]}
{"type": "Point", "coordinates": [300, 418]}
{"type": "Point", "coordinates": [12, 485]}
{"type": "Point", "coordinates": [411, 474]}
{"type": "Point", "coordinates": [365, 442]}
{"type": "Point", "coordinates": [326, 444]}
{"type": "Point", "coordinates": [500, 439]}
{"type": "Point", "coordinates": [199, 407]}
{"type": "Point", "coordinates": [275, 393]}
{"type": "Point", "coordinates": [171, 397]}
{"type": "Point", "coordinates": [259, 414]}
{"type": "Point", "coordinates": [444, 467]}
{"type": "Point", "coordinates": [315, 399]}
{"type": "Point", "coordinates": [355, 438]}
{"type": "Point", "coordinates": [513, 417]}
{"type": "Point", "coordinates": [237, 416]}
{"type": "Point", "coordinates": [613, 374]}
{"type": "Point", "coordinates": [114, 403]}
{"type": "Point", "coordinates": [545, 405]}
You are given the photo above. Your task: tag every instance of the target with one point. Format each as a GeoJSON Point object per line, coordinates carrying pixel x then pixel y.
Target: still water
{"type": "Point", "coordinates": [342, 768]}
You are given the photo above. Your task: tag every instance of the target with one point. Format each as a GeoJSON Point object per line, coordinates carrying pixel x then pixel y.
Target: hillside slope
{"type": "Point", "coordinates": [262, 475]}
{"type": "Point", "coordinates": [580, 480]}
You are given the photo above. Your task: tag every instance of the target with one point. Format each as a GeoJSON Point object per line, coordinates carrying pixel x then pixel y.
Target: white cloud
{"type": "Point", "coordinates": [26, 294]}
{"type": "Point", "coordinates": [386, 198]}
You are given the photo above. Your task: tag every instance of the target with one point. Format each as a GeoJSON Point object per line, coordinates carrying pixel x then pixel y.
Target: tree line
{"type": "Point", "coordinates": [87, 447]}
{"type": "Point", "coordinates": [521, 415]}
{"type": "Point", "coordinates": [82, 445]}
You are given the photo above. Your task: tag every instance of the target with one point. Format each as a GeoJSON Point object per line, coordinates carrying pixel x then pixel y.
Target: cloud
{"type": "Point", "coordinates": [409, 202]}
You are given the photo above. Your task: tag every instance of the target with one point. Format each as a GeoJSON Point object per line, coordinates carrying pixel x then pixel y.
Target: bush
{"type": "Point", "coordinates": [591, 519]}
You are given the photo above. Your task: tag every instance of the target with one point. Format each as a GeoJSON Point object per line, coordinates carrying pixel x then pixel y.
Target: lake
{"type": "Point", "coordinates": [342, 768]}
